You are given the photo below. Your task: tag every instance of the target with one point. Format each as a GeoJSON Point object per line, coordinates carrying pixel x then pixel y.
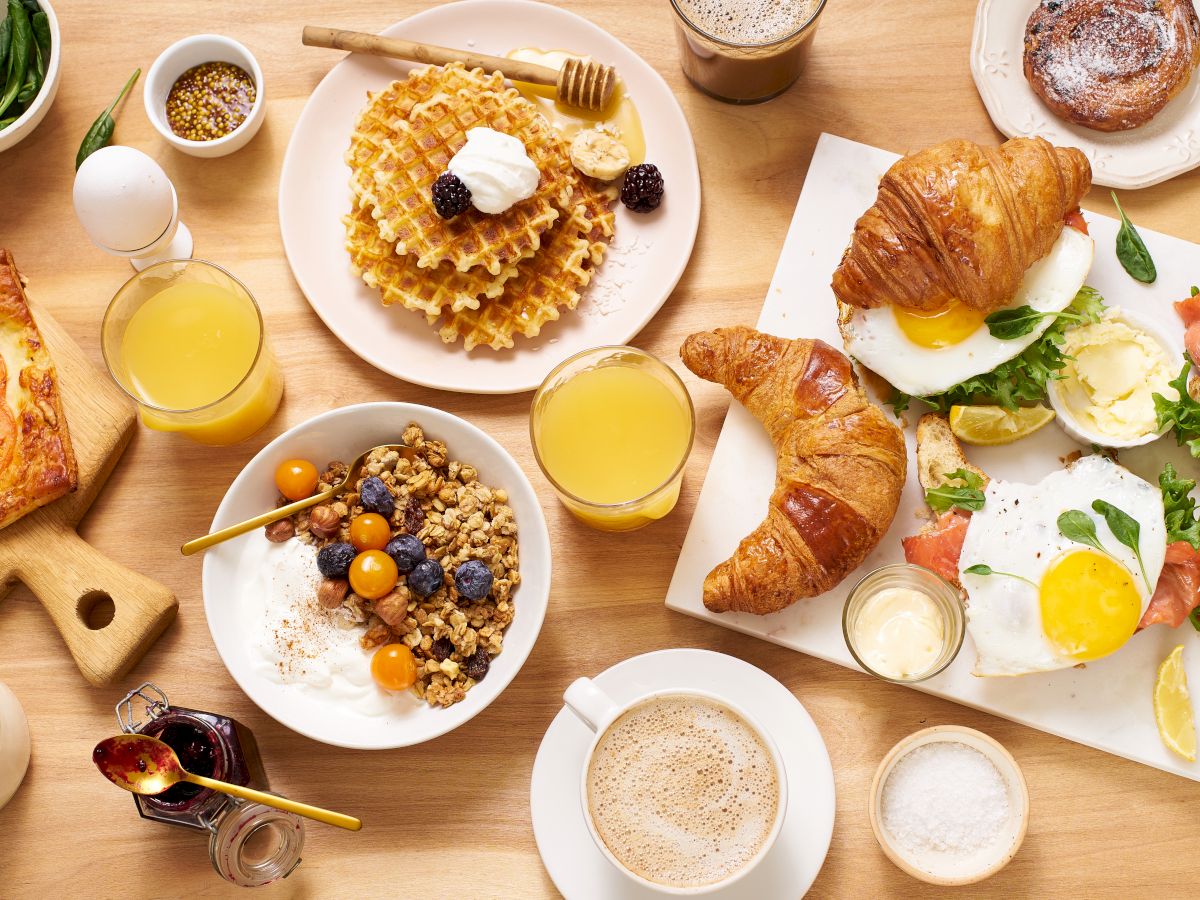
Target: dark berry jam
{"type": "Point", "coordinates": [197, 752]}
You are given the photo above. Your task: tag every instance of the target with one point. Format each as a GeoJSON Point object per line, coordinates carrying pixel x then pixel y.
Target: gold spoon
{"type": "Point", "coordinates": [145, 765]}
{"type": "Point", "coordinates": [217, 537]}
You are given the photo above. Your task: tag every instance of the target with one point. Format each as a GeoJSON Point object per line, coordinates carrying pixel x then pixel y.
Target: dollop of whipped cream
{"type": "Point", "coordinates": [496, 170]}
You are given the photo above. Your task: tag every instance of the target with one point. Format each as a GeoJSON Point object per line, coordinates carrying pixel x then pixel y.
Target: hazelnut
{"type": "Point", "coordinates": [393, 609]}
{"type": "Point", "coordinates": [332, 592]}
{"type": "Point", "coordinates": [278, 532]}
{"type": "Point", "coordinates": [324, 522]}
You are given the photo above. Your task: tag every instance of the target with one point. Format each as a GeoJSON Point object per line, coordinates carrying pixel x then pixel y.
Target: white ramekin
{"type": "Point", "coordinates": [183, 55]}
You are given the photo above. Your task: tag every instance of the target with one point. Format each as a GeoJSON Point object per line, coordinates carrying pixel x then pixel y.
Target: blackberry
{"type": "Point", "coordinates": [643, 188]}
{"type": "Point", "coordinates": [473, 579]}
{"type": "Point", "coordinates": [426, 578]}
{"type": "Point", "coordinates": [450, 196]}
{"type": "Point", "coordinates": [333, 560]}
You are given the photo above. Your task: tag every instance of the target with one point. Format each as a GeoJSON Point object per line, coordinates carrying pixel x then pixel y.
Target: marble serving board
{"type": "Point", "coordinates": [1107, 704]}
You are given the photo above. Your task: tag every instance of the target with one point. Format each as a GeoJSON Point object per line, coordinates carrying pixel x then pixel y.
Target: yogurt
{"type": "Point", "coordinates": [496, 170]}
{"type": "Point", "coordinates": [297, 642]}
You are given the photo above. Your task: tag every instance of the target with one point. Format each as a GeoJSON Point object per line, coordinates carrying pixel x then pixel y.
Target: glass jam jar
{"type": "Point", "coordinates": [249, 844]}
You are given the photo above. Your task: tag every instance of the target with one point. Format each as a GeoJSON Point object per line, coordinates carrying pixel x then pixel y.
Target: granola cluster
{"type": "Point", "coordinates": [457, 518]}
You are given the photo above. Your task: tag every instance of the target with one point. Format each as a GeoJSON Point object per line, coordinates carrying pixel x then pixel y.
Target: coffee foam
{"type": "Point", "coordinates": [749, 21]}
{"type": "Point", "coordinates": [682, 791]}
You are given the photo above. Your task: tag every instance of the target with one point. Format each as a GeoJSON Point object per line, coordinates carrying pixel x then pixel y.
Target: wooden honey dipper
{"type": "Point", "coordinates": [581, 83]}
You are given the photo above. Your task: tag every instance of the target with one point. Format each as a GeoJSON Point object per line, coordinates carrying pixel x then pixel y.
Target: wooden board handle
{"type": "Point", "coordinates": [396, 48]}
{"type": "Point", "coordinates": [72, 579]}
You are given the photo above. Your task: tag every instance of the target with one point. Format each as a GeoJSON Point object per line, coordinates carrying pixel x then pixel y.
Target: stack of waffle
{"type": "Point", "coordinates": [483, 278]}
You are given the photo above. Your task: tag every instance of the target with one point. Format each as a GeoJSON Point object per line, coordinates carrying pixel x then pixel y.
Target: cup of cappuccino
{"type": "Point", "coordinates": [682, 791]}
{"type": "Point", "coordinates": [744, 51]}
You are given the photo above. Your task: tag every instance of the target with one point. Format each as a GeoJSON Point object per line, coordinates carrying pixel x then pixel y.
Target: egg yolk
{"type": "Point", "coordinates": [1090, 604]}
{"type": "Point", "coordinates": [938, 328]}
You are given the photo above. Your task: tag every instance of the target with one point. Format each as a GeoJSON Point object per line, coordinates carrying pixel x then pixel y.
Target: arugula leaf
{"type": "Point", "coordinates": [1183, 414]}
{"type": "Point", "coordinates": [1023, 378]}
{"type": "Point", "coordinates": [1010, 324]}
{"type": "Point", "coordinates": [1127, 530]}
{"type": "Point", "coordinates": [969, 496]}
{"type": "Point", "coordinates": [1180, 508]}
{"type": "Point", "coordinates": [1131, 249]}
{"type": "Point", "coordinates": [981, 569]}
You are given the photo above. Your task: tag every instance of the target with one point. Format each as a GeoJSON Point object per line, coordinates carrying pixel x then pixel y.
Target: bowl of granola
{"type": "Point", "coordinates": [396, 610]}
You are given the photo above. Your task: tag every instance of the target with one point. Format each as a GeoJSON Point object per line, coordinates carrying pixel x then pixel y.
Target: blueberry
{"type": "Point", "coordinates": [426, 578]}
{"type": "Point", "coordinates": [473, 579]}
{"type": "Point", "coordinates": [376, 497]}
{"type": "Point", "coordinates": [406, 551]}
{"type": "Point", "coordinates": [334, 560]}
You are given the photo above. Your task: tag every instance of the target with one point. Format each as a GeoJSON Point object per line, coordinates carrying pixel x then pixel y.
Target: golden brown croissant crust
{"type": "Point", "coordinates": [841, 467]}
{"type": "Point", "coordinates": [1110, 64]}
{"type": "Point", "coordinates": [958, 221]}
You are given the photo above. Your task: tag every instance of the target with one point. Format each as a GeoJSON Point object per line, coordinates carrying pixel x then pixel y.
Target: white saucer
{"type": "Point", "coordinates": [1166, 146]}
{"type": "Point", "coordinates": [642, 266]}
{"type": "Point", "coordinates": [577, 867]}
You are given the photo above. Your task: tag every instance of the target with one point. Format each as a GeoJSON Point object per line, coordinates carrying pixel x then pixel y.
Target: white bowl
{"type": "Point", "coordinates": [29, 120]}
{"type": "Point", "coordinates": [343, 434]}
{"type": "Point", "coordinates": [1066, 419]}
{"type": "Point", "coordinates": [970, 868]}
{"type": "Point", "coordinates": [183, 55]}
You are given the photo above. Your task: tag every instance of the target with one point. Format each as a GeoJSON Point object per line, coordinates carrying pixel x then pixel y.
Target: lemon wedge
{"type": "Point", "coordinates": [988, 426]}
{"type": "Point", "coordinates": [1173, 708]}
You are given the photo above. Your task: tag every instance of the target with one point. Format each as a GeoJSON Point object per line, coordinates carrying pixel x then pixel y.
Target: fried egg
{"type": "Point", "coordinates": [1061, 602]}
{"type": "Point", "coordinates": [923, 353]}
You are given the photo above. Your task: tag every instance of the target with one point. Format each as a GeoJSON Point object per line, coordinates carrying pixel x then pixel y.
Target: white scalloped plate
{"type": "Point", "coordinates": [1166, 146]}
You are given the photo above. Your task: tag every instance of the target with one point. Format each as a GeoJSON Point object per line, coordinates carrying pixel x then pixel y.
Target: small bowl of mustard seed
{"type": "Point", "coordinates": [204, 95]}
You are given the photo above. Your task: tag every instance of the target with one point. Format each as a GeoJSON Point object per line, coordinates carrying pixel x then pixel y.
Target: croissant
{"type": "Point", "coordinates": [841, 467]}
{"type": "Point", "coordinates": [961, 222]}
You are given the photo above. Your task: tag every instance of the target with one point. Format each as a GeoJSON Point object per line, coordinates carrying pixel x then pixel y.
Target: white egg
{"type": "Point", "coordinates": [1023, 621]}
{"type": "Point", "coordinates": [875, 338]}
{"type": "Point", "coordinates": [123, 198]}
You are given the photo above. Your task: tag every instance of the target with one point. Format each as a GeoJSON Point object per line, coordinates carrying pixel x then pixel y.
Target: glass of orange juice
{"type": "Point", "coordinates": [185, 340]}
{"type": "Point", "coordinates": [611, 429]}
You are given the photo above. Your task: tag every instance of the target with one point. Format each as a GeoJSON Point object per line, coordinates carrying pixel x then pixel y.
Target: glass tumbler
{"type": "Point", "coordinates": [185, 340]}
{"type": "Point", "coordinates": [738, 71]}
{"type": "Point", "coordinates": [592, 408]}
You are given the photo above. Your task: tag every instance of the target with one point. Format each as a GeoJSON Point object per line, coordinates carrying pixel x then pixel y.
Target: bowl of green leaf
{"type": "Point", "coordinates": [29, 66]}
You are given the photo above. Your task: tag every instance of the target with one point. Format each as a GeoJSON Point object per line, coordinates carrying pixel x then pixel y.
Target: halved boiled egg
{"type": "Point", "coordinates": [922, 353]}
{"type": "Point", "coordinates": [1058, 602]}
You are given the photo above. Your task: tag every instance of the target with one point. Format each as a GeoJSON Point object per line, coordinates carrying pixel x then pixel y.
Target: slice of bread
{"type": "Point", "coordinates": [939, 452]}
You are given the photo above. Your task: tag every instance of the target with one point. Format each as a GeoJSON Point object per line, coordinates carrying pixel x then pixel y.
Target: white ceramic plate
{"type": "Point", "coordinates": [1164, 147]}
{"type": "Point", "coordinates": [644, 263]}
{"type": "Point", "coordinates": [578, 868]}
{"type": "Point", "coordinates": [1107, 704]}
{"type": "Point", "coordinates": [343, 434]}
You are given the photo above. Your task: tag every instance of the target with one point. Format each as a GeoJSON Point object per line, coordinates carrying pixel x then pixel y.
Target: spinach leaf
{"type": "Point", "coordinates": [1127, 530]}
{"type": "Point", "coordinates": [19, 54]}
{"type": "Point", "coordinates": [969, 496]}
{"type": "Point", "coordinates": [40, 23]}
{"type": "Point", "coordinates": [1194, 618]}
{"type": "Point", "coordinates": [1131, 250]}
{"type": "Point", "coordinates": [5, 43]}
{"type": "Point", "coordinates": [1179, 507]}
{"type": "Point", "coordinates": [1010, 324]}
{"type": "Point", "coordinates": [1076, 525]}
{"type": "Point", "coordinates": [102, 129]}
{"type": "Point", "coordinates": [981, 569]}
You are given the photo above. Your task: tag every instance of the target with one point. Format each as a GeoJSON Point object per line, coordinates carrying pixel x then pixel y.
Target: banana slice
{"type": "Point", "coordinates": [600, 155]}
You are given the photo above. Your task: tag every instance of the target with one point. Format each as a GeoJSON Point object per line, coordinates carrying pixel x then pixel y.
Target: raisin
{"type": "Point", "coordinates": [441, 649]}
{"type": "Point", "coordinates": [477, 664]}
{"type": "Point", "coordinates": [414, 516]}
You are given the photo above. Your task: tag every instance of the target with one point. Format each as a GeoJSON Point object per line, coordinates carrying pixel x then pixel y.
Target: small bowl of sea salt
{"type": "Point", "coordinates": [949, 805]}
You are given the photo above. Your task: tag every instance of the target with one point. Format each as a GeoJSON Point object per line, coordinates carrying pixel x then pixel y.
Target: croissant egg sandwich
{"type": "Point", "coordinates": [957, 234]}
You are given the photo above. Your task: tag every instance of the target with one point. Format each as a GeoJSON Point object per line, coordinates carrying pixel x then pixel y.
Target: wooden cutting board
{"type": "Point", "coordinates": [73, 580]}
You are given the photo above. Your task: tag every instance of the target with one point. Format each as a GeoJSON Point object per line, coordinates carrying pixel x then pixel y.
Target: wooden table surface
{"type": "Point", "coordinates": [451, 817]}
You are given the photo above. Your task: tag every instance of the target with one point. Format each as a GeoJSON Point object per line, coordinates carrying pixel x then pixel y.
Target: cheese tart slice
{"type": "Point", "coordinates": [37, 462]}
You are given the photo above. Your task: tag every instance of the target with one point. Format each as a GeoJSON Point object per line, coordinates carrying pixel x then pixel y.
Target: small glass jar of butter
{"type": "Point", "coordinates": [903, 623]}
